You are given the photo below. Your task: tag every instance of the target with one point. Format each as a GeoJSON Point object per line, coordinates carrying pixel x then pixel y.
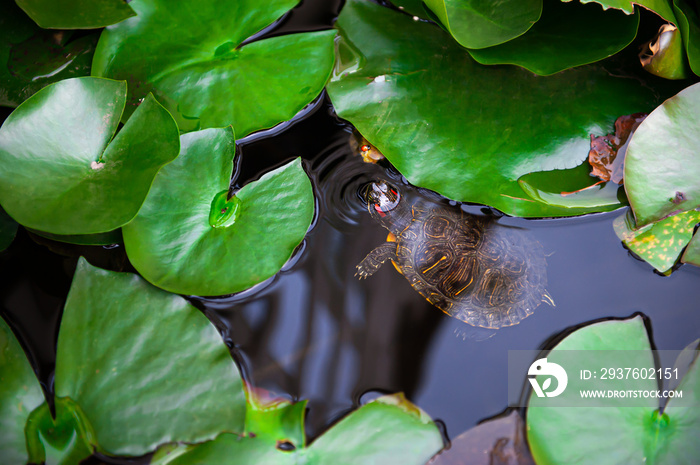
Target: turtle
{"type": "Point", "coordinates": [469, 266]}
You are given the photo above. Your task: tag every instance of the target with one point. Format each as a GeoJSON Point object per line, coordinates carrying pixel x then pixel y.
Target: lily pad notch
{"type": "Point", "coordinates": [191, 237]}
{"type": "Point", "coordinates": [78, 177]}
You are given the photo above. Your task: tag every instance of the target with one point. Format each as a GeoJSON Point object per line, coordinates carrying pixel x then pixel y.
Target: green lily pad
{"type": "Point", "coordinates": [145, 367]}
{"type": "Point", "coordinates": [661, 165]}
{"type": "Point", "coordinates": [484, 23]}
{"type": "Point", "coordinates": [659, 244]}
{"type": "Point", "coordinates": [464, 130]}
{"type": "Point", "coordinates": [660, 7]}
{"type": "Point", "coordinates": [623, 433]}
{"type": "Point", "coordinates": [573, 188]}
{"type": "Point", "coordinates": [20, 394]}
{"type": "Point", "coordinates": [387, 431]}
{"type": "Point", "coordinates": [567, 35]}
{"type": "Point", "coordinates": [665, 56]}
{"type": "Point", "coordinates": [194, 58]}
{"type": "Point", "coordinates": [8, 230]}
{"type": "Point", "coordinates": [31, 57]}
{"type": "Point", "coordinates": [64, 440]}
{"type": "Point", "coordinates": [275, 418]}
{"type": "Point", "coordinates": [76, 14]}
{"type": "Point", "coordinates": [692, 252]}
{"type": "Point", "coordinates": [69, 180]}
{"type": "Point", "coordinates": [189, 239]}
{"type": "Point", "coordinates": [689, 24]}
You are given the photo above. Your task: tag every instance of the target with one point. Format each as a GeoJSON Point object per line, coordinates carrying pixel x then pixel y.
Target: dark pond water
{"type": "Point", "coordinates": [316, 332]}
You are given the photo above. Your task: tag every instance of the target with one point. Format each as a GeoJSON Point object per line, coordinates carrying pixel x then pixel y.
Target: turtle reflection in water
{"type": "Point", "coordinates": [471, 268]}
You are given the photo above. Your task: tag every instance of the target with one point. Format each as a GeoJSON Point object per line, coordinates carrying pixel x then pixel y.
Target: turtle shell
{"type": "Point", "coordinates": [472, 268]}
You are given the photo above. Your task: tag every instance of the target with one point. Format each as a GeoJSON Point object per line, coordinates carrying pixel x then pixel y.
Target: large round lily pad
{"type": "Point", "coordinates": [143, 365]}
{"type": "Point", "coordinates": [483, 23]}
{"type": "Point", "coordinates": [190, 239]}
{"type": "Point", "coordinates": [623, 430]}
{"type": "Point", "coordinates": [20, 393]}
{"type": "Point", "coordinates": [193, 55]}
{"type": "Point", "coordinates": [462, 129]}
{"type": "Point", "coordinates": [57, 172]}
{"type": "Point", "coordinates": [662, 166]}
{"type": "Point", "coordinates": [387, 431]}
{"type": "Point", "coordinates": [76, 14]}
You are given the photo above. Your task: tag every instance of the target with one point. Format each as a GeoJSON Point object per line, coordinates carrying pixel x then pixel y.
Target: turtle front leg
{"type": "Point", "coordinates": [376, 258]}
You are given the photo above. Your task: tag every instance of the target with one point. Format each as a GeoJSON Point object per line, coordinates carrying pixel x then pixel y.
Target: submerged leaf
{"type": "Point", "coordinates": [189, 239]}
{"type": "Point", "coordinates": [196, 57]}
{"type": "Point", "coordinates": [76, 14]}
{"type": "Point", "coordinates": [8, 230]}
{"type": "Point", "coordinates": [31, 57]}
{"type": "Point", "coordinates": [659, 244]}
{"type": "Point", "coordinates": [607, 153]}
{"type": "Point", "coordinates": [73, 179]}
{"type": "Point", "coordinates": [144, 366]}
{"type": "Point", "coordinates": [497, 441]}
{"type": "Point", "coordinates": [472, 131]}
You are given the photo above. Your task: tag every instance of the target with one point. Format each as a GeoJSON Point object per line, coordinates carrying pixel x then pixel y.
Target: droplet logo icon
{"type": "Point", "coordinates": [543, 368]}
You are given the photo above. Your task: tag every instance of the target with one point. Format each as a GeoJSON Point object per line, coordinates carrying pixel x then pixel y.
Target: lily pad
{"type": "Point", "coordinates": [566, 35]}
{"type": "Point", "coordinates": [63, 439]}
{"type": "Point", "coordinates": [692, 252]}
{"type": "Point", "coordinates": [189, 239]}
{"type": "Point", "coordinates": [196, 58]}
{"type": "Point", "coordinates": [662, 167]}
{"type": "Point", "coordinates": [660, 7]}
{"type": "Point", "coordinates": [689, 25]}
{"type": "Point", "coordinates": [69, 180]}
{"type": "Point", "coordinates": [31, 57]}
{"type": "Point", "coordinates": [8, 230]}
{"type": "Point", "coordinates": [20, 394]}
{"type": "Point", "coordinates": [387, 431]}
{"type": "Point", "coordinates": [659, 244]}
{"type": "Point", "coordinates": [623, 433]}
{"type": "Point", "coordinates": [484, 23]}
{"type": "Point", "coordinates": [278, 419]}
{"type": "Point", "coordinates": [144, 366]}
{"type": "Point", "coordinates": [76, 14]}
{"type": "Point", "coordinates": [464, 130]}
{"type": "Point", "coordinates": [665, 55]}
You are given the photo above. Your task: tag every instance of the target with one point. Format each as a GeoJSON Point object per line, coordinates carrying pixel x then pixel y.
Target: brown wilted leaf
{"type": "Point", "coordinates": [498, 441]}
{"type": "Point", "coordinates": [607, 153]}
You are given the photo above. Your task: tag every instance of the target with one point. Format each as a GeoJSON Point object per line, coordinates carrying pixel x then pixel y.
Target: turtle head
{"type": "Point", "coordinates": [383, 201]}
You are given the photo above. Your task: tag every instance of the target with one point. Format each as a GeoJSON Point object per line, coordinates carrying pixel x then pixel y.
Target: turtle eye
{"type": "Point", "coordinates": [365, 148]}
